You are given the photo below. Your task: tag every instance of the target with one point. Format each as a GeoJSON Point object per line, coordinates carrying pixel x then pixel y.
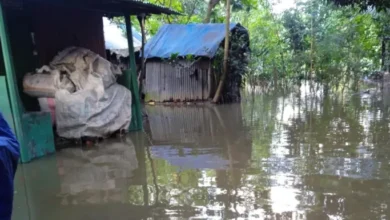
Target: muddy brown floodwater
{"type": "Point", "coordinates": [292, 155]}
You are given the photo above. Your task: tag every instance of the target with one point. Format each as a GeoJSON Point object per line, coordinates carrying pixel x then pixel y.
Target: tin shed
{"type": "Point", "coordinates": [180, 61]}
{"type": "Point", "coordinates": [32, 32]}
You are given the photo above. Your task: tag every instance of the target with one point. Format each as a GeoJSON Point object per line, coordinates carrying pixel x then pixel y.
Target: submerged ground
{"type": "Point", "coordinates": [291, 155]}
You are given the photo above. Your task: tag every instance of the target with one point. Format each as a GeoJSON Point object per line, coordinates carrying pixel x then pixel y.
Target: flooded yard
{"type": "Point", "coordinates": [292, 155]}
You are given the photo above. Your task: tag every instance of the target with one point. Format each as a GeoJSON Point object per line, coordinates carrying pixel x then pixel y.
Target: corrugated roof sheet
{"type": "Point", "coordinates": [136, 7]}
{"type": "Point", "coordinates": [109, 7]}
{"type": "Point", "coordinates": [191, 39]}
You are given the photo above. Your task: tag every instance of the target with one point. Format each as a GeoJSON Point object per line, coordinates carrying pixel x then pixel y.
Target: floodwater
{"type": "Point", "coordinates": [292, 155]}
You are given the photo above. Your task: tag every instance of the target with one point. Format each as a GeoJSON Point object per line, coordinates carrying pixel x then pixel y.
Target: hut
{"type": "Point", "coordinates": [32, 32]}
{"type": "Point", "coordinates": [184, 62]}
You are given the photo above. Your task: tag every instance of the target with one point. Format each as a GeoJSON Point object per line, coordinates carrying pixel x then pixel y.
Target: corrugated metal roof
{"type": "Point", "coordinates": [191, 39]}
{"type": "Point", "coordinates": [141, 6]}
{"type": "Point", "coordinates": [109, 7]}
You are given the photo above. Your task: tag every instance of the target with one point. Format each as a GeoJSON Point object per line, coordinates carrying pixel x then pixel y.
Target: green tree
{"type": "Point", "coordinates": [379, 4]}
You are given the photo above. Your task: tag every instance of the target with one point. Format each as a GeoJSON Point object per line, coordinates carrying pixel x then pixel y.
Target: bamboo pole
{"type": "Point", "coordinates": [225, 56]}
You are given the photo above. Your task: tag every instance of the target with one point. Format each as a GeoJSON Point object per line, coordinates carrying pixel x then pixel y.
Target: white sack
{"type": "Point", "coordinates": [45, 84]}
{"type": "Point", "coordinates": [93, 112]}
{"type": "Point", "coordinates": [48, 105]}
{"type": "Point", "coordinates": [79, 63]}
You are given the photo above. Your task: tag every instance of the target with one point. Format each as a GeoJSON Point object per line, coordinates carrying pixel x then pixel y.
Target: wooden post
{"type": "Point", "coordinates": [131, 80]}
{"type": "Point", "coordinates": [218, 93]}
{"type": "Point", "coordinates": [11, 81]}
{"type": "Point", "coordinates": [141, 20]}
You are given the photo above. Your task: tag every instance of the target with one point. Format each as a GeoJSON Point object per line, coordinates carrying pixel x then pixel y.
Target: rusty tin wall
{"type": "Point", "coordinates": [184, 82]}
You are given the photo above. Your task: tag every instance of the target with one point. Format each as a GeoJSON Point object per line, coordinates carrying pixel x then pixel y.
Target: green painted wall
{"type": "Point", "coordinates": [5, 106]}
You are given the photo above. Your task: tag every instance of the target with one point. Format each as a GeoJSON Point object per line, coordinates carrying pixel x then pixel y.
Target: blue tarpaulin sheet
{"type": "Point", "coordinates": [186, 39]}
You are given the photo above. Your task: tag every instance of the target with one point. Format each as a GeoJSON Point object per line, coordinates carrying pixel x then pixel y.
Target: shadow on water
{"type": "Point", "coordinates": [291, 155]}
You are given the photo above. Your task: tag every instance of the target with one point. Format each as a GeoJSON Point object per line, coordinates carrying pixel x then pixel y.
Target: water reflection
{"type": "Point", "coordinates": [292, 155]}
{"type": "Point", "coordinates": [195, 137]}
{"type": "Point", "coordinates": [96, 176]}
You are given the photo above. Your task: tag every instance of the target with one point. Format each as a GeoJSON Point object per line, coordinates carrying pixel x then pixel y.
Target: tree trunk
{"type": "Point", "coordinates": [312, 44]}
{"type": "Point", "coordinates": [225, 56]}
{"type": "Point", "coordinates": [211, 5]}
{"type": "Point", "coordinates": [312, 71]}
{"type": "Point", "coordinates": [383, 54]}
{"type": "Point", "coordinates": [276, 76]}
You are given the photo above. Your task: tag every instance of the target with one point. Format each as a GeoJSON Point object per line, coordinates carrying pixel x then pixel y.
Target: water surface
{"type": "Point", "coordinates": [291, 155]}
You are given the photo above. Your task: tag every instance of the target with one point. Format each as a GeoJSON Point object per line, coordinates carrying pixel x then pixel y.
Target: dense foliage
{"type": "Point", "coordinates": [317, 39]}
{"type": "Point", "coordinates": [364, 4]}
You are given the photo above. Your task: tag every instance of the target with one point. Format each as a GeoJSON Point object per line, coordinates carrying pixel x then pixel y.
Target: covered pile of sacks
{"type": "Point", "coordinates": [83, 88]}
